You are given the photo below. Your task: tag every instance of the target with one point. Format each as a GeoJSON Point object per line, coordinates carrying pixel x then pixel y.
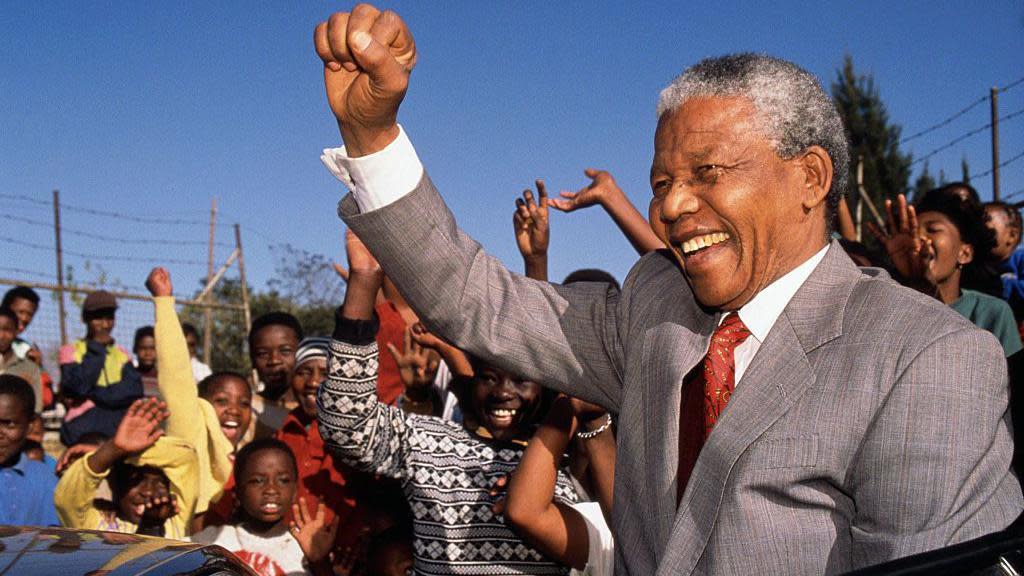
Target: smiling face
{"type": "Point", "coordinates": [735, 215]}
{"type": "Point", "coordinates": [273, 356]}
{"type": "Point", "coordinates": [267, 487]}
{"type": "Point", "coordinates": [306, 380]}
{"type": "Point", "coordinates": [231, 398]}
{"type": "Point", "coordinates": [1007, 236]}
{"type": "Point", "coordinates": [506, 406]}
{"type": "Point", "coordinates": [141, 484]}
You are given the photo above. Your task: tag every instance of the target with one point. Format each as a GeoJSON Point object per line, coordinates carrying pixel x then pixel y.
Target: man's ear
{"type": "Point", "coordinates": [816, 167]}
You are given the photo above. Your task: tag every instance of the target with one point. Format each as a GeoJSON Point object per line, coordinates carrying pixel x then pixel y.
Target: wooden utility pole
{"type": "Point", "coordinates": [60, 270]}
{"type": "Point", "coordinates": [241, 278]}
{"type": "Point", "coordinates": [995, 143]}
{"type": "Point", "coordinates": [207, 311]}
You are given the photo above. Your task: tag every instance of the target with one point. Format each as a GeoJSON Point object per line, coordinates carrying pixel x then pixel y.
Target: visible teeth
{"type": "Point", "coordinates": [230, 424]}
{"type": "Point", "coordinates": [704, 241]}
{"type": "Point", "coordinates": [271, 507]}
{"type": "Point", "coordinates": [502, 412]}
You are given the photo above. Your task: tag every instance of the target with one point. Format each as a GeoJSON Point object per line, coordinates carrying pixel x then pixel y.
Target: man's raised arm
{"type": "Point", "coordinates": [565, 338]}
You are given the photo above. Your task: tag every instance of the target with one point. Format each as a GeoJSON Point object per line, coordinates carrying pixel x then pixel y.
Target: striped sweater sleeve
{"type": "Point", "coordinates": [365, 433]}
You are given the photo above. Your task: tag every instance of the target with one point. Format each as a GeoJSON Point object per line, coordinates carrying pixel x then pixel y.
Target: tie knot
{"type": "Point", "coordinates": [732, 330]}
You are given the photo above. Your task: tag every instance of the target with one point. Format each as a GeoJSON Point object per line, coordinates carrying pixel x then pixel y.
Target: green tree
{"type": "Point", "coordinates": [872, 136]}
{"type": "Point", "coordinates": [924, 182]}
{"type": "Point", "coordinates": [304, 285]}
{"type": "Point", "coordinates": [965, 171]}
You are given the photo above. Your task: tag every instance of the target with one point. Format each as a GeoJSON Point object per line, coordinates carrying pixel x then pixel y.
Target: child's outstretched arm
{"type": "Point", "coordinates": [556, 529]}
{"type": "Point", "coordinates": [76, 490]}
{"type": "Point", "coordinates": [533, 234]}
{"type": "Point", "coordinates": [191, 418]}
{"type": "Point", "coordinates": [365, 433]}
{"type": "Point", "coordinates": [604, 191]}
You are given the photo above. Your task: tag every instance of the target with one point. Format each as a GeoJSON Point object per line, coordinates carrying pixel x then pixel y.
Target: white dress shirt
{"type": "Point", "coordinates": [381, 178]}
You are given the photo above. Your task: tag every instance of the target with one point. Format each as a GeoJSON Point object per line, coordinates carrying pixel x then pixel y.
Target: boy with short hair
{"type": "Point", "coordinates": [24, 302]}
{"type": "Point", "coordinates": [98, 379]}
{"type": "Point", "coordinates": [28, 485]}
{"type": "Point", "coordinates": [273, 341]}
{"type": "Point", "coordinates": [144, 349]}
{"type": "Point", "coordinates": [12, 363]}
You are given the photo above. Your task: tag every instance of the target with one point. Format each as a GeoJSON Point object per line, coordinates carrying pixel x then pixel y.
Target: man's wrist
{"type": "Point", "coordinates": [361, 141]}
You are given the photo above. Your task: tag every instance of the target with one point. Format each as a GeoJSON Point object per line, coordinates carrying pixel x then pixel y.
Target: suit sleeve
{"type": "Point", "coordinates": [563, 337]}
{"type": "Point", "coordinates": [934, 466]}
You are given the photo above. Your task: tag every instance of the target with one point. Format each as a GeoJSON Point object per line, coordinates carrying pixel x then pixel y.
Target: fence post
{"type": "Point", "coordinates": [241, 277]}
{"type": "Point", "coordinates": [60, 270]}
{"type": "Point", "coordinates": [208, 312]}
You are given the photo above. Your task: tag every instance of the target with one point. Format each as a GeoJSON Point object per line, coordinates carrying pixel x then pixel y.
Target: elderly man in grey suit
{"type": "Point", "coordinates": [780, 410]}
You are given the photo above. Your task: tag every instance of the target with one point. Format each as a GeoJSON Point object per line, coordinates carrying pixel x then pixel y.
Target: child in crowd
{"type": "Point", "coordinates": [24, 302]}
{"type": "Point", "coordinates": [192, 418]}
{"type": "Point", "coordinates": [11, 363]}
{"type": "Point", "coordinates": [576, 535]}
{"type": "Point", "coordinates": [447, 470]}
{"type": "Point", "coordinates": [199, 369]}
{"type": "Point", "coordinates": [259, 535]}
{"type": "Point", "coordinates": [273, 340]}
{"type": "Point", "coordinates": [152, 479]}
{"type": "Point", "coordinates": [98, 379]}
{"type": "Point", "coordinates": [144, 349]}
{"type": "Point", "coordinates": [26, 496]}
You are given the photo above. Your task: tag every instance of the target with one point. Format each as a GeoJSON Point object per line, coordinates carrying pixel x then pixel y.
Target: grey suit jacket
{"type": "Point", "coordinates": [871, 424]}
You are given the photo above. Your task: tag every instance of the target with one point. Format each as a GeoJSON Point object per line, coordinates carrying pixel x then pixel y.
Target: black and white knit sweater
{"type": "Point", "coordinates": [446, 471]}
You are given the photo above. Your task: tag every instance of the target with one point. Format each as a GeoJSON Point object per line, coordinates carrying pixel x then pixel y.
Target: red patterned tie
{"type": "Point", "coordinates": [706, 391]}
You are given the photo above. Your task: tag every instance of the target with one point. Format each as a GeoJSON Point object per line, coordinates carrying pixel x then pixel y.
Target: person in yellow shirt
{"type": "Point", "coordinates": [152, 477]}
{"type": "Point", "coordinates": [205, 425]}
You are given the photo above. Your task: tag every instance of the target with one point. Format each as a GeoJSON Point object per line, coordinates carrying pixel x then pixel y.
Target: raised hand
{"type": "Point", "coordinates": [312, 531]}
{"type": "Point", "coordinates": [531, 223]}
{"type": "Point", "coordinates": [368, 56]}
{"type": "Point", "coordinates": [456, 360]}
{"type": "Point", "coordinates": [908, 250]}
{"type": "Point", "coordinates": [158, 509]}
{"type": "Point", "coordinates": [601, 188]}
{"type": "Point", "coordinates": [140, 427]}
{"type": "Point", "coordinates": [159, 282]}
{"type": "Point", "coordinates": [416, 364]}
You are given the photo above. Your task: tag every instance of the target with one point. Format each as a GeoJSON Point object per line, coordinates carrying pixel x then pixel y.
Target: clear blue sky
{"type": "Point", "coordinates": [151, 109]}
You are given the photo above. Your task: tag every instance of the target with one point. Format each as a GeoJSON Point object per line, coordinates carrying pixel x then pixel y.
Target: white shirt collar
{"type": "Point", "coordinates": [760, 314]}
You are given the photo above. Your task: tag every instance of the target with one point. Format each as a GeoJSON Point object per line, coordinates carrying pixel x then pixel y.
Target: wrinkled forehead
{"type": "Point", "coordinates": [703, 126]}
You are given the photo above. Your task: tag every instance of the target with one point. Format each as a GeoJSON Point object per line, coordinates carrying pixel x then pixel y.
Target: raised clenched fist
{"type": "Point", "coordinates": [159, 282]}
{"type": "Point", "coordinates": [368, 56]}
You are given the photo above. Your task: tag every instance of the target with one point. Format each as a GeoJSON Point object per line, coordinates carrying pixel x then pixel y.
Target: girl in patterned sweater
{"type": "Point", "coordinates": [447, 470]}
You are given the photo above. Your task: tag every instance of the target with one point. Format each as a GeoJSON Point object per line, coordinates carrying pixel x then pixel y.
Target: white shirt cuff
{"type": "Point", "coordinates": [380, 178]}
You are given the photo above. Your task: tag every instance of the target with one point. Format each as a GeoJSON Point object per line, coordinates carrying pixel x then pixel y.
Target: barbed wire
{"type": "Point", "coordinates": [104, 257]}
{"type": "Point", "coordinates": [963, 111]}
{"type": "Point", "coordinates": [24, 272]}
{"type": "Point", "coordinates": [147, 241]}
{"type": "Point", "coordinates": [965, 136]}
{"type": "Point", "coordinates": [117, 215]}
{"type": "Point", "coordinates": [1001, 164]}
{"type": "Point", "coordinates": [1013, 194]}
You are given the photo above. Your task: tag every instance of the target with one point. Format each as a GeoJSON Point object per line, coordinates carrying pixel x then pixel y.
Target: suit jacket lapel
{"type": "Point", "coordinates": [671, 349]}
{"type": "Point", "coordinates": [778, 375]}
